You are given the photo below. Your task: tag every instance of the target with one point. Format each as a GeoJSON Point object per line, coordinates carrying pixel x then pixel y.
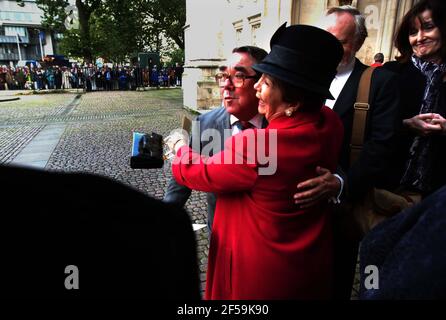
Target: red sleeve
{"type": "Point", "coordinates": [219, 173]}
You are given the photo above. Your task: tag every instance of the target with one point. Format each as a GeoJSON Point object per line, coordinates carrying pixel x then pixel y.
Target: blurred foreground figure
{"type": "Point", "coordinates": [408, 251]}
{"type": "Point", "coordinates": [111, 233]}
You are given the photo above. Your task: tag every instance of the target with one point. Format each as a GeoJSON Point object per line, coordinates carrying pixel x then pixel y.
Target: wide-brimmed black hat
{"type": "Point", "coordinates": [304, 56]}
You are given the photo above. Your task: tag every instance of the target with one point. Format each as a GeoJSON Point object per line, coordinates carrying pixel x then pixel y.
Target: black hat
{"type": "Point", "coordinates": [304, 56]}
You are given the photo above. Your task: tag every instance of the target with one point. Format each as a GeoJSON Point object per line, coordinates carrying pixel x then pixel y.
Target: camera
{"type": "Point", "coordinates": [147, 151]}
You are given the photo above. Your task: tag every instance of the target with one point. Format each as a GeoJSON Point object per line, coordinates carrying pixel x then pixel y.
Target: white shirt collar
{"type": "Point", "coordinates": [339, 82]}
{"type": "Point", "coordinates": [256, 121]}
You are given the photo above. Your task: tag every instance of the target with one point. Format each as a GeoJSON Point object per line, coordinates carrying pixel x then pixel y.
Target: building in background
{"type": "Point", "coordinates": [214, 27]}
{"type": "Point", "coordinates": [21, 29]}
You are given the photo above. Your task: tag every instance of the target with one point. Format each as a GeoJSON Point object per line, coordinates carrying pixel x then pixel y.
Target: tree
{"type": "Point", "coordinates": [54, 17]}
{"type": "Point", "coordinates": [168, 17]}
{"type": "Point", "coordinates": [86, 8]}
{"type": "Point", "coordinates": [116, 29]}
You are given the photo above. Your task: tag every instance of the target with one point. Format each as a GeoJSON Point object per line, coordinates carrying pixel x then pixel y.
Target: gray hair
{"type": "Point", "coordinates": [361, 30]}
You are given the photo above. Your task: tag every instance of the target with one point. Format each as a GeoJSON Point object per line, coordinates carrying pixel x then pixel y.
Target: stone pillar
{"type": "Point", "coordinates": [388, 22]}
{"type": "Point", "coordinates": [308, 11]}
{"type": "Point", "coordinates": [204, 53]}
{"type": "Point", "coordinates": [381, 35]}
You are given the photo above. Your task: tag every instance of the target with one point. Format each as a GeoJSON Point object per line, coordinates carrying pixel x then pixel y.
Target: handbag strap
{"type": "Point", "coordinates": [362, 108]}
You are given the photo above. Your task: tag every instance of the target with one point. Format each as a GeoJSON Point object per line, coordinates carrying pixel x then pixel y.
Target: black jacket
{"type": "Point", "coordinates": [371, 169]}
{"type": "Point", "coordinates": [412, 83]}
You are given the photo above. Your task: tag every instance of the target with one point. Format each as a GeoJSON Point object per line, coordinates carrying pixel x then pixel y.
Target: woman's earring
{"type": "Point", "coordinates": [289, 112]}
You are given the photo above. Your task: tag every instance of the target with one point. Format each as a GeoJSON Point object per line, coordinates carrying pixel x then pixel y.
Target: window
{"type": "Point", "coordinates": [238, 26]}
{"type": "Point", "coordinates": [255, 23]}
{"type": "Point", "coordinates": [13, 31]}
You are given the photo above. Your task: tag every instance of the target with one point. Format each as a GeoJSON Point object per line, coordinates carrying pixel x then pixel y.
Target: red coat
{"type": "Point", "coordinates": [262, 245]}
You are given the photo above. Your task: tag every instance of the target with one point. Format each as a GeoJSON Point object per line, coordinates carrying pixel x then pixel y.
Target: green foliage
{"type": "Point", "coordinates": [71, 44]}
{"type": "Point", "coordinates": [116, 29]}
{"type": "Point", "coordinates": [176, 56]}
{"type": "Point", "coordinates": [54, 14]}
{"type": "Point", "coordinates": [166, 16]}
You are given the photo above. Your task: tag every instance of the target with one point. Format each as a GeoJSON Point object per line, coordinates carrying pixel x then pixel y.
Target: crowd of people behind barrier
{"type": "Point", "coordinates": [89, 77]}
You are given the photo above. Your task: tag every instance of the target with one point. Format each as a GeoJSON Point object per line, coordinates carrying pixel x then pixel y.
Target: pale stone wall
{"type": "Point", "coordinates": [215, 27]}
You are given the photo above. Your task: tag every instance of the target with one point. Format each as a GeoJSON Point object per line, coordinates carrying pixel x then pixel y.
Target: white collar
{"type": "Point", "coordinates": [256, 121]}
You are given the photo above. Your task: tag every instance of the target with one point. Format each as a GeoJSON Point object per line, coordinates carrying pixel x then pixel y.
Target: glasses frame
{"type": "Point", "coordinates": [221, 78]}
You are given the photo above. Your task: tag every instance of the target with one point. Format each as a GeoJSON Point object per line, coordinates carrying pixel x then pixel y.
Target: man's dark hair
{"type": "Point", "coordinates": [438, 9]}
{"type": "Point", "coordinates": [379, 57]}
{"type": "Point", "coordinates": [310, 101]}
{"type": "Point", "coordinates": [257, 53]}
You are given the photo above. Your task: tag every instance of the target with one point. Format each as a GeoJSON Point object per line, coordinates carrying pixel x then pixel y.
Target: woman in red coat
{"type": "Point", "coordinates": [263, 246]}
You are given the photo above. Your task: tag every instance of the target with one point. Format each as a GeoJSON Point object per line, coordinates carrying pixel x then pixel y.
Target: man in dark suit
{"type": "Point", "coordinates": [353, 180]}
{"type": "Point", "coordinates": [236, 83]}
{"type": "Point", "coordinates": [84, 236]}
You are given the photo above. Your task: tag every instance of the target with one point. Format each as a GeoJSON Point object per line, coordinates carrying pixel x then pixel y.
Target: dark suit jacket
{"type": "Point", "coordinates": [217, 119]}
{"type": "Point", "coordinates": [112, 233]}
{"type": "Point", "coordinates": [371, 167]}
{"type": "Point", "coordinates": [412, 84]}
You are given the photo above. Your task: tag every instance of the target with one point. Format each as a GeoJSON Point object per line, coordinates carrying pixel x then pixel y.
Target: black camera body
{"type": "Point", "coordinates": [147, 151]}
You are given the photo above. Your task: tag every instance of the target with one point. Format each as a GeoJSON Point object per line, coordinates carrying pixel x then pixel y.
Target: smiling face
{"type": "Point", "coordinates": [270, 97]}
{"type": "Point", "coordinates": [425, 38]}
{"type": "Point", "coordinates": [241, 102]}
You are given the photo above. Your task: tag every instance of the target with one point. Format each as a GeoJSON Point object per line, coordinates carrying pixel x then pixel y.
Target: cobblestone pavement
{"type": "Point", "coordinates": [98, 138]}
{"type": "Point", "coordinates": [22, 120]}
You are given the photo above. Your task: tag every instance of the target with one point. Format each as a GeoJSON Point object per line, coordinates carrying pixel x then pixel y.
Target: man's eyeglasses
{"type": "Point", "coordinates": [238, 79]}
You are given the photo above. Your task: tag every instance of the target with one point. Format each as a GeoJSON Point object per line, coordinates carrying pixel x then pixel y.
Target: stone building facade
{"type": "Point", "coordinates": [214, 27]}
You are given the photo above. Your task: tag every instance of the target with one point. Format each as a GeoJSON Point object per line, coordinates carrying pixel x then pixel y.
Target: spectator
{"type": "Point", "coordinates": [379, 59]}
{"type": "Point", "coordinates": [179, 74]}
{"type": "Point", "coordinates": [421, 150]}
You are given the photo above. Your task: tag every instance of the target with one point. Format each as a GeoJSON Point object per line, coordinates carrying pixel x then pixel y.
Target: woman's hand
{"type": "Point", "coordinates": [176, 139]}
{"type": "Point", "coordinates": [439, 120]}
{"type": "Point", "coordinates": [424, 124]}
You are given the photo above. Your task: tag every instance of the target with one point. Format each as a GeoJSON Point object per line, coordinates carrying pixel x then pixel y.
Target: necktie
{"type": "Point", "coordinates": [242, 125]}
